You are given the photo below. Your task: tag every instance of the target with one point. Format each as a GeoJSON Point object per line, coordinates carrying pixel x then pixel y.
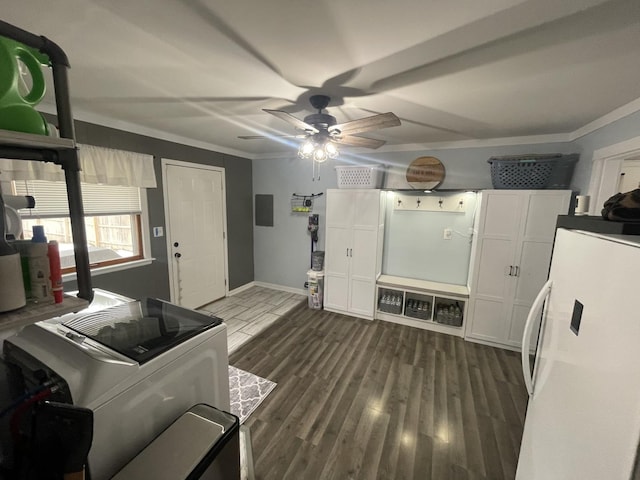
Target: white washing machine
{"type": "Point", "coordinates": [138, 366]}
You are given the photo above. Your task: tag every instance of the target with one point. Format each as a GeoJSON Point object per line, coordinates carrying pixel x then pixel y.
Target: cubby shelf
{"type": "Point", "coordinates": [423, 304]}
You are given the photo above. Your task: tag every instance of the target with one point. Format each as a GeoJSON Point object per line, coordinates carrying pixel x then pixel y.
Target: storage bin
{"type": "Point", "coordinates": [418, 309]}
{"type": "Point", "coordinates": [315, 284]}
{"type": "Point", "coordinates": [553, 171]}
{"type": "Point", "coordinates": [361, 176]}
{"type": "Point", "coordinates": [317, 260]}
{"type": "Point", "coordinates": [390, 301]}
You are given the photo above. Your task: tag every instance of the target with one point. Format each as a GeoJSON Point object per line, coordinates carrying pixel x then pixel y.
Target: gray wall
{"type": "Point", "coordinates": [282, 253]}
{"type": "Point", "coordinates": [153, 280]}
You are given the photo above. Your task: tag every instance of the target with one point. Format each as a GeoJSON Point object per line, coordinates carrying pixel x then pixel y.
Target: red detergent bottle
{"type": "Point", "coordinates": [53, 252]}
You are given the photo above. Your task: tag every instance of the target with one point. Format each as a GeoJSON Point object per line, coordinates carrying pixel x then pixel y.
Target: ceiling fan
{"type": "Point", "coordinates": [322, 132]}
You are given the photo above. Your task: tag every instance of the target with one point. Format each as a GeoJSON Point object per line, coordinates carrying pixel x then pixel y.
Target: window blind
{"type": "Point", "coordinates": [51, 199]}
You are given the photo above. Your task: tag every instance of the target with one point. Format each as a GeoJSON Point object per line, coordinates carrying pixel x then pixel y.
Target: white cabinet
{"type": "Point", "coordinates": [510, 260]}
{"type": "Point", "coordinates": [353, 250]}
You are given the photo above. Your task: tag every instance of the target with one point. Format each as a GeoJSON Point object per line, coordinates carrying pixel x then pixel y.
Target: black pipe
{"type": "Point", "coordinates": [63, 101]}
{"type": "Point", "coordinates": [71, 167]}
{"type": "Point", "coordinates": [43, 44]}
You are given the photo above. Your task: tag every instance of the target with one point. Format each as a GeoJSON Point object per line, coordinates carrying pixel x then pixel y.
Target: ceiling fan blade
{"type": "Point", "coordinates": [358, 141]}
{"type": "Point", "coordinates": [299, 124]}
{"type": "Point", "coordinates": [383, 120]}
{"type": "Point", "coordinates": [267, 137]}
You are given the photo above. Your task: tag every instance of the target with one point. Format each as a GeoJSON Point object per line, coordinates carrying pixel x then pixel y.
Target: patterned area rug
{"type": "Point", "coordinates": [247, 392]}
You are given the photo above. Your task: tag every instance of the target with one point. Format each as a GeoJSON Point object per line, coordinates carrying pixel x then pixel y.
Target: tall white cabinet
{"type": "Point", "coordinates": [510, 260]}
{"type": "Point", "coordinates": [353, 250]}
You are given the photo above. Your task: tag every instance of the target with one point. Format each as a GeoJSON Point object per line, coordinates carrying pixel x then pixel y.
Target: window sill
{"type": "Point", "coordinates": [67, 277]}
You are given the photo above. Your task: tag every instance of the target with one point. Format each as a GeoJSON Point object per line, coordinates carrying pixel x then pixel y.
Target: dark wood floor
{"type": "Point", "coordinates": [375, 400]}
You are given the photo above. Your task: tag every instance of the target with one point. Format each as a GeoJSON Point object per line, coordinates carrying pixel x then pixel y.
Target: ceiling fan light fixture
{"type": "Point", "coordinates": [320, 155]}
{"type": "Point", "coordinates": [306, 148]}
{"type": "Point", "coordinates": [318, 151]}
{"type": "Point", "coordinates": [331, 149]}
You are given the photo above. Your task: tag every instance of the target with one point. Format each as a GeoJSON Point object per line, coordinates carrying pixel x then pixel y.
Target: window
{"type": "Point", "coordinates": [113, 220]}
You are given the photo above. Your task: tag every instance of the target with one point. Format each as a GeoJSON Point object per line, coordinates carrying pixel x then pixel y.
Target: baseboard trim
{"type": "Point", "coordinates": [282, 288]}
{"type": "Point", "coordinates": [241, 289]}
{"type": "Point", "coordinates": [489, 343]}
{"type": "Point", "coordinates": [348, 314]}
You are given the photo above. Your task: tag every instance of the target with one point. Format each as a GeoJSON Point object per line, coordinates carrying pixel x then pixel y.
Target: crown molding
{"type": "Point", "coordinates": [617, 114]}
{"type": "Point", "coordinates": [479, 143]}
{"type": "Point", "coordinates": [607, 119]}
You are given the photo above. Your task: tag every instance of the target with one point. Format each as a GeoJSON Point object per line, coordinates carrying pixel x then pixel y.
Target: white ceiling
{"type": "Point", "coordinates": [450, 69]}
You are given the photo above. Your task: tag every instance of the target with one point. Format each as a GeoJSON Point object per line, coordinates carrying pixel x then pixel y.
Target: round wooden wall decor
{"type": "Point", "coordinates": [425, 173]}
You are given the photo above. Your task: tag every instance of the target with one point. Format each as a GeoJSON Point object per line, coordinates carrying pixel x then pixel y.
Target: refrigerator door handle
{"type": "Point", "coordinates": [526, 336]}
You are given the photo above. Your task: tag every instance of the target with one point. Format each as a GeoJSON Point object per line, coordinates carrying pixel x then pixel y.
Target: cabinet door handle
{"type": "Point", "coordinates": [351, 252]}
{"type": "Point", "coordinates": [511, 270]}
{"type": "Point", "coordinates": [347, 252]}
{"type": "Point", "coordinates": [517, 274]}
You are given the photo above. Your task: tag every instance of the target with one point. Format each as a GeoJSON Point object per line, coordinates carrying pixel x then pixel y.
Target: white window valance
{"type": "Point", "coordinates": [98, 165]}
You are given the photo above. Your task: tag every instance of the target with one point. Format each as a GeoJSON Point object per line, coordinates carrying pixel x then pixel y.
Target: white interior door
{"type": "Point", "coordinates": [196, 239]}
{"type": "Point", "coordinates": [630, 176]}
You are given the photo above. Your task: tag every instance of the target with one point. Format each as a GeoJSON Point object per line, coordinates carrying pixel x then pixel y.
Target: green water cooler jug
{"type": "Point", "coordinates": [17, 110]}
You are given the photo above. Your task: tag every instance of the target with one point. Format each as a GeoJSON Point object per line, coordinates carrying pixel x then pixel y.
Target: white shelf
{"type": "Point", "coordinates": [9, 138]}
{"type": "Point", "coordinates": [446, 289]}
{"type": "Point", "coordinates": [32, 313]}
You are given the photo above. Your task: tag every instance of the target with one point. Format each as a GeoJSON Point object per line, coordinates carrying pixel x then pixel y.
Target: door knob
{"type": "Point", "coordinates": [177, 255]}
{"type": "Point", "coordinates": [176, 244]}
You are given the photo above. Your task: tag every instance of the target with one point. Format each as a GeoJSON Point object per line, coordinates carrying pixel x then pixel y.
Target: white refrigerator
{"type": "Point", "coordinates": [583, 415]}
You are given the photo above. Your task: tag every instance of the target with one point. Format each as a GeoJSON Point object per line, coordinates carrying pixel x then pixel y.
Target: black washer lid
{"type": "Point", "coordinates": [144, 329]}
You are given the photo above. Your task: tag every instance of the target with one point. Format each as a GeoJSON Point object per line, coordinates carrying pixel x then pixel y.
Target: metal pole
{"type": "Point", "coordinates": [71, 166]}
{"type": "Point", "coordinates": [63, 101]}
